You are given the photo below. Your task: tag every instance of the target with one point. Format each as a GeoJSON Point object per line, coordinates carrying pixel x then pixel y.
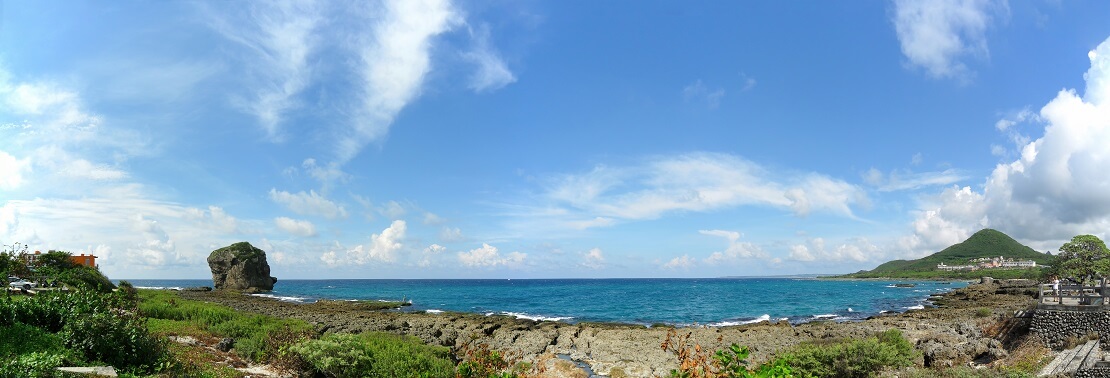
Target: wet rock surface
{"type": "Point", "coordinates": [949, 335]}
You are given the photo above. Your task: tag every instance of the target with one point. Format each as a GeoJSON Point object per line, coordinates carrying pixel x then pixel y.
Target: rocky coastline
{"type": "Point", "coordinates": [952, 333]}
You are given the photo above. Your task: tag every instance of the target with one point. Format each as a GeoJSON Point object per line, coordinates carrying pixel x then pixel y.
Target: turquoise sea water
{"type": "Point", "coordinates": [710, 301]}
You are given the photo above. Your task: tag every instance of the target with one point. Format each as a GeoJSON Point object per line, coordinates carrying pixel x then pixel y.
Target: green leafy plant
{"type": "Point", "coordinates": [374, 355]}
{"type": "Point", "coordinates": [854, 358]}
{"type": "Point", "coordinates": [479, 361]}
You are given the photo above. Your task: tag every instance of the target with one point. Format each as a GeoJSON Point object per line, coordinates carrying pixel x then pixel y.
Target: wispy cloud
{"type": "Point", "coordinates": [395, 59]}
{"type": "Point", "coordinates": [936, 35]}
{"type": "Point", "coordinates": [736, 250]}
{"type": "Point", "coordinates": [308, 203]}
{"type": "Point", "coordinates": [906, 180]}
{"type": "Point", "coordinates": [695, 182]}
{"type": "Point", "coordinates": [280, 38]}
{"type": "Point", "coordinates": [699, 92]}
{"type": "Point", "coordinates": [491, 71]}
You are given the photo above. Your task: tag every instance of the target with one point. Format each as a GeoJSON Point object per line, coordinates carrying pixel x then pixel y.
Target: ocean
{"type": "Point", "coordinates": [683, 302]}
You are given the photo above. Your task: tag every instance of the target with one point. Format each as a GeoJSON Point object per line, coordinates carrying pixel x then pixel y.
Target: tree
{"type": "Point", "coordinates": [1084, 258]}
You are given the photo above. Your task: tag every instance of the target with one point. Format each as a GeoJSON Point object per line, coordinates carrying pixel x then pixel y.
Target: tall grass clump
{"type": "Point", "coordinates": [375, 354]}
{"type": "Point", "coordinates": [854, 358]}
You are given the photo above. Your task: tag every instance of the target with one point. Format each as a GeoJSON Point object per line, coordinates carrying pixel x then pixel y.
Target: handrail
{"type": "Point", "coordinates": [1084, 295]}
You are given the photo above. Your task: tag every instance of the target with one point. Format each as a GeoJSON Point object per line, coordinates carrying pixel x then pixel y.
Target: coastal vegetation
{"type": "Point", "coordinates": [1084, 258]}
{"type": "Point", "coordinates": [986, 243]}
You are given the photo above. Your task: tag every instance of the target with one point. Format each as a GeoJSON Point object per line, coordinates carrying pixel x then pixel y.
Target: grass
{"type": "Point", "coordinates": [169, 314]}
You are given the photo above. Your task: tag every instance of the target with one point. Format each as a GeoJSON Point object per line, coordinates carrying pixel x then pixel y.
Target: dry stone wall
{"type": "Point", "coordinates": [1056, 327]}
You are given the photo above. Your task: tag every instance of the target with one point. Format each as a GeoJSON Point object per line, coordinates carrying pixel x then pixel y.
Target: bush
{"type": "Point", "coordinates": [856, 358]}
{"type": "Point", "coordinates": [98, 327]}
{"type": "Point", "coordinates": [32, 365]}
{"type": "Point", "coordinates": [375, 355]}
{"type": "Point", "coordinates": [20, 339]}
{"type": "Point", "coordinates": [982, 312]}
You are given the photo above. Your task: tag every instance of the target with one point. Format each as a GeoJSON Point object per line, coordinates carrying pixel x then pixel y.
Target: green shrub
{"type": "Point", "coordinates": [982, 312]}
{"type": "Point", "coordinates": [855, 358]}
{"type": "Point", "coordinates": [20, 339]}
{"type": "Point", "coordinates": [32, 365]}
{"type": "Point", "coordinates": [375, 355]}
{"type": "Point", "coordinates": [120, 340]}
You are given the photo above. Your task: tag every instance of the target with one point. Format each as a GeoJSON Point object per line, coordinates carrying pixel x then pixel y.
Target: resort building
{"type": "Point", "coordinates": [941, 266]}
{"type": "Point", "coordinates": [989, 263]}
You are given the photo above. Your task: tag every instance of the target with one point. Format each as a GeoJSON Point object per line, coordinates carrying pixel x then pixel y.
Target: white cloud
{"type": "Point", "coordinates": [936, 35]}
{"type": "Point", "coordinates": [280, 38]}
{"type": "Point", "coordinates": [492, 73]}
{"type": "Point", "coordinates": [736, 250]}
{"type": "Point", "coordinates": [295, 227]}
{"type": "Point", "coordinates": [395, 61]}
{"type": "Point", "coordinates": [309, 203]}
{"type": "Point", "coordinates": [683, 262]}
{"type": "Point", "coordinates": [382, 248]}
{"type": "Point", "coordinates": [431, 218]}
{"type": "Point", "coordinates": [392, 209]}
{"type": "Point", "coordinates": [898, 180]}
{"type": "Point", "coordinates": [11, 171]}
{"type": "Point", "coordinates": [451, 234]}
{"type": "Point", "coordinates": [1056, 189]}
{"type": "Point", "coordinates": [326, 175]}
{"type": "Point", "coordinates": [431, 255]}
{"type": "Point", "coordinates": [488, 256]}
{"type": "Point", "coordinates": [591, 223]}
{"type": "Point", "coordinates": [697, 91]}
{"type": "Point", "coordinates": [815, 249]}
{"type": "Point", "coordinates": [593, 259]}
{"type": "Point", "coordinates": [695, 182]}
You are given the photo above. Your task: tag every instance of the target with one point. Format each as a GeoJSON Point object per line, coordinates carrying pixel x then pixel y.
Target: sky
{"type": "Point", "coordinates": [549, 139]}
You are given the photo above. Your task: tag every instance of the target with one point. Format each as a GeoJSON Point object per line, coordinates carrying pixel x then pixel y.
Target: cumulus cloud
{"type": "Point", "coordinates": [11, 171]}
{"type": "Point", "coordinates": [295, 227]}
{"type": "Point", "coordinates": [491, 73]}
{"type": "Point", "coordinates": [937, 35]}
{"type": "Point", "coordinates": [279, 36]}
{"type": "Point", "coordinates": [593, 259]}
{"type": "Point", "coordinates": [430, 255]}
{"type": "Point", "coordinates": [694, 182]}
{"type": "Point", "coordinates": [1055, 189]}
{"type": "Point", "coordinates": [488, 256]}
{"type": "Point", "coordinates": [736, 250]}
{"type": "Point", "coordinates": [682, 262]}
{"type": "Point", "coordinates": [699, 92]}
{"type": "Point", "coordinates": [395, 59]}
{"type": "Point", "coordinates": [309, 203]}
{"type": "Point", "coordinates": [382, 248]}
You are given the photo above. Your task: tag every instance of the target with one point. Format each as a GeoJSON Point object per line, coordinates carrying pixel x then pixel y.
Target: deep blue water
{"type": "Point", "coordinates": [710, 301]}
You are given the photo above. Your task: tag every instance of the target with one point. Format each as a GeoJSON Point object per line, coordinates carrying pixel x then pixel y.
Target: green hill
{"type": "Point", "coordinates": [985, 243]}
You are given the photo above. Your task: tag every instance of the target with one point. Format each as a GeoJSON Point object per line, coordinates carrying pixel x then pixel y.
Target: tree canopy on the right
{"type": "Point", "coordinates": [1084, 258]}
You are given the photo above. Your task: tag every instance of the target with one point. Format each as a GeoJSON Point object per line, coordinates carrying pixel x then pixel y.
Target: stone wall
{"type": "Point", "coordinates": [1055, 327]}
{"type": "Point", "coordinates": [1095, 372]}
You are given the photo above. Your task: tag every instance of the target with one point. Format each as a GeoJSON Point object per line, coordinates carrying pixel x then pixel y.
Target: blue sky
{"type": "Point", "coordinates": [520, 139]}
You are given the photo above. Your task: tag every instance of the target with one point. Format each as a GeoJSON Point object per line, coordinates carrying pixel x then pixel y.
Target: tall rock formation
{"type": "Point", "coordinates": [240, 266]}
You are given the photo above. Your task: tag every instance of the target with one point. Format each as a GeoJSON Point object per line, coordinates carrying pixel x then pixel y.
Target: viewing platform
{"type": "Point", "coordinates": [1074, 297]}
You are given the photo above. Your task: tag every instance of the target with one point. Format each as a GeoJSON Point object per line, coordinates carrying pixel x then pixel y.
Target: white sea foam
{"type": "Point", "coordinates": [283, 298]}
{"type": "Point", "coordinates": [825, 316]}
{"type": "Point", "coordinates": [918, 307]}
{"type": "Point", "coordinates": [851, 310]}
{"type": "Point", "coordinates": [159, 287]}
{"type": "Point", "coordinates": [539, 318]}
{"type": "Point", "coordinates": [727, 323]}
{"type": "Point", "coordinates": [434, 311]}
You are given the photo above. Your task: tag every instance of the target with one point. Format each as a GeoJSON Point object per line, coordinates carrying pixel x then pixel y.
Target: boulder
{"type": "Point", "coordinates": [240, 266]}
